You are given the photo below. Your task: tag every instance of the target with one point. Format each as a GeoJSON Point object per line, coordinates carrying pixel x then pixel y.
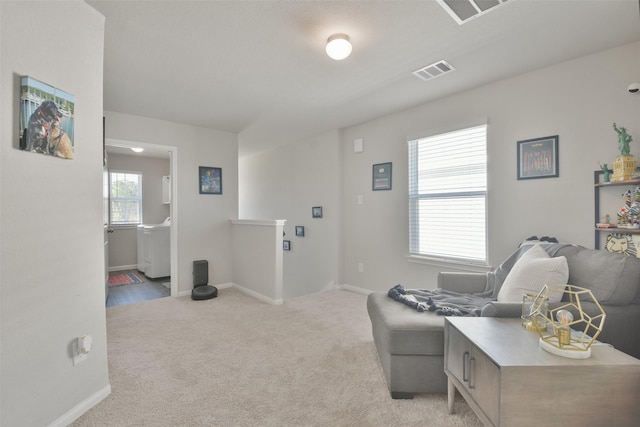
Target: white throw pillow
{"type": "Point", "coordinates": [531, 272]}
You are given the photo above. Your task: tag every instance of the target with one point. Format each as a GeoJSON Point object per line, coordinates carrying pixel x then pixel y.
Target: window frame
{"type": "Point", "coordinates": [139, 198]}
{"type": "Point", "coordinates": [414, 197]}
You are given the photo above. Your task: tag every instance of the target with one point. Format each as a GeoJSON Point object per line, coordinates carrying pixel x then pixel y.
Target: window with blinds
{"type": "Point", "coordinates": [448, 196]}
{"type": "Point", "coordinates": [125, 201]}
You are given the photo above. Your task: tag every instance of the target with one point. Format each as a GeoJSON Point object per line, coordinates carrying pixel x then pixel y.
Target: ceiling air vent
{"type": "Point", "coordinates": [434, 70]}
{"type": "Point", "coordinates": [466, 10]}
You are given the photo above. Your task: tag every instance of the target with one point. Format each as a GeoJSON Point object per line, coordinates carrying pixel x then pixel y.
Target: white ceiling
{"type": "Point", "coordinates": [258, 68]}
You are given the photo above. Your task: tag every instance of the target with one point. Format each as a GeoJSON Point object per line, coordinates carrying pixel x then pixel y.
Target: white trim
{"type": "Point", "coordinates": [173, 207]}
{"type": "Point", "coordinates": [123, 267]}
{"type": "Point", "coordinates": [350, 288]}
{"type": "Point", "coordinates": [221, 286]}
{"type": "Point", "coordinates": [449, 263]}
{"type": "Point", "coordinates": [82, 407]}
{"type": "Point", "coordinates": [264, 222]}
{"type": "Point", "coordinates": [257, 295]}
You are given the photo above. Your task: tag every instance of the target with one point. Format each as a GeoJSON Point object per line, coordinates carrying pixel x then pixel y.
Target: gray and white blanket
{"type": "Point", "coordinates": [441, 301]}
{"type": "Point", "coordinates": [449, 303]}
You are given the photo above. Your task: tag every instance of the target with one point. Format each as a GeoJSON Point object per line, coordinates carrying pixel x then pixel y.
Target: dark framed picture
{"type": "Point", "coordinates": [538, 158]}
{"type": "Point", "coordinates": [316, 212]}
{"type": "Point", "coordinates": [47, 117]}
{"type": "Point", "coordinates": [210, 180]}
{"type": "Point", "coordinates": [299, 230]}
{"type": "Point", "coordinates": [286, 245]}
{"type": "Point", "coordinates": [381, 176]}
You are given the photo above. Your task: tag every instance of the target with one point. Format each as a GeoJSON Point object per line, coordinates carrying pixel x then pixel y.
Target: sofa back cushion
{"type": "Point", "coordinates": [613, 278]}
{"type": "Point", "coordinates": [534, 269]}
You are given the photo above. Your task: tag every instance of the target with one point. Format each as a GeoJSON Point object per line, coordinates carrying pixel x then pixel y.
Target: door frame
{"type": "Point", "coordinates": [173, 207]}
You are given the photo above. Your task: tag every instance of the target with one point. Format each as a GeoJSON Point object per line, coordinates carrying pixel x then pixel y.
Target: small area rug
{"type": "Point", "coordinates": [124, 279]}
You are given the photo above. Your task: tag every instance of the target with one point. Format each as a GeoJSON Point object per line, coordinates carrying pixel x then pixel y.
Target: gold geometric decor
{"type": "Point", "coordinates": [568, 335]}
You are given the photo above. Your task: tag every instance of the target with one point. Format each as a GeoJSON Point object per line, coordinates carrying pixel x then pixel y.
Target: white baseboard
{"type": "Point", "coordinates": [123, 267]}
{"type": "Point", "coordinates": [82, 407]}
{"type": "Point", "coordinates": [356, 289]}
{"type": "Point", "coordinates": [329, 287]}
{"type": "Point", "coordinates": [220, 286]}
{"type": "Point", "coordinates": [257, 295]}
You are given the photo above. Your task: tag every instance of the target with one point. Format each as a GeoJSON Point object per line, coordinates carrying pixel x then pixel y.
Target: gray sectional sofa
{"type": "Point", "coordinates": [410, 343]}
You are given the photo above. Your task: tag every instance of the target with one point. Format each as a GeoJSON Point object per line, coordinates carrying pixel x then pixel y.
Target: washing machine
{"type": "Point", "coordinates": [154, 248]}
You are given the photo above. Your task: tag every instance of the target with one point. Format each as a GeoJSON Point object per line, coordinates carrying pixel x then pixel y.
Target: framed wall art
{"type": "Point", "coordinates": [316, 212]}
{"type": "Point", "coordinates": [286, 245]}
{"type": "Point", "coordinates": [538, 158]}
{"type": "Point", "coordinates": [46, 119]}
{"type": "Point", "coordinates": [381, 176]}
{"type": "Point", "coordinates": [210, 180]}
{"type": "Point", "coordinates": [299, 230]}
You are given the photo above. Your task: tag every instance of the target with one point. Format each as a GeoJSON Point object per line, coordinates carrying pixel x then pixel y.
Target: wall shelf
{"type": "Point", "coordinates": [598, 185]}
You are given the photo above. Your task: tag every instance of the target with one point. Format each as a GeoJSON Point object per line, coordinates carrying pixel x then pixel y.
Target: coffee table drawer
{"type": "Point", "coordinates": [478, 375]}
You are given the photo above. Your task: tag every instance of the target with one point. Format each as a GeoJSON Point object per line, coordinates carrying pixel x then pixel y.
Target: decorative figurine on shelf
{"type": "Point", "coordinates": [624, 167]}
{"type": "Point", "coordinates": [623, 140]}
{"type": "Point", "coordinates": [634, 207]}
{"type": "Point", "coordinates": [605, 171]}
{"type": "Point", "coordinates": [622, 243]}
{"type": "Point", "coordinates": [629, 215]}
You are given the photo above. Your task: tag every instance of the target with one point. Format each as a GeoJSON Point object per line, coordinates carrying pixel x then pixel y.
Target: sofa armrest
{"type": "Point", "coordinates": [502, 309]}
{"type": "Point", "coordinates": [464, 283]}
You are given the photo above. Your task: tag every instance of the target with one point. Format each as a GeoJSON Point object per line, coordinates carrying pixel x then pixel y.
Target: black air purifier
{"type": "Point", "coordinates": [201, 289]}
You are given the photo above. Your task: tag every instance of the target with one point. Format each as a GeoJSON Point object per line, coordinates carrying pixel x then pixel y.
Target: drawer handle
{"type": "Point", "coordinates": [472, 364]}
{"type": "Point", "coordinates": [465, 362]}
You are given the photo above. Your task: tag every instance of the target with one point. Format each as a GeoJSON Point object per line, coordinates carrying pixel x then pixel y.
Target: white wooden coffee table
{"type": "Point", "coordinates": [508, 380]}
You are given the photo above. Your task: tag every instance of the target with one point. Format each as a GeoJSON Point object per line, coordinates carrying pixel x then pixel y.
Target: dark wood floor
{"type": "Point", "coordinates": [137, 292]}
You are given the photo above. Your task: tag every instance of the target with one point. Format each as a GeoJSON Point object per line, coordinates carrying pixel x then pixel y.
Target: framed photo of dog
{"type": "Point", "coordinates": [46, 119]}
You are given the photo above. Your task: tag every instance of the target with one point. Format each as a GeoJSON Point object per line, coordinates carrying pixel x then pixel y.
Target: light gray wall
{"type": "Point", "coordinates": [52, 263]}
{"type": "Point", "coordinates": [202, 221]}
{"type": "Point", "coordinates": [123, 240]}
{"type": "Point", "coordinates": [577, 100]}
{"type": "Point", "coordinates": [285, 184]}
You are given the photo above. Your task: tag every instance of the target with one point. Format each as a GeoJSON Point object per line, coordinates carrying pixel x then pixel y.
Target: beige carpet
{"type": "Point", "coordinates": [236, 361]}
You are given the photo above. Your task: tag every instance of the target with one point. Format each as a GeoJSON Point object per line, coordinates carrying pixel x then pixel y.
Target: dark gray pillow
{"type": "Point", "coordinates": [613, 278]}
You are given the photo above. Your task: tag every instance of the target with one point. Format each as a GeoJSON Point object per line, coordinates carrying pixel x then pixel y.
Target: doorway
{"type": "Point", "coordinates": [157, 151]}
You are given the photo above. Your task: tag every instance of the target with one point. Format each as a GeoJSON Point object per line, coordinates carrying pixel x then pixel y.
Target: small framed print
{"type": "Point", "coordinates": [316, 212]}
{"type": "Point", "coordinates": [538, 158]}
{"type": "Point", "coordinates": [286, 245]}
{"type": "Point", "coordinates": [299, 230]}
{"type": "Point", "coordinates": [210, 180]}
{"type": "Point", "coordinates": [382, 176]}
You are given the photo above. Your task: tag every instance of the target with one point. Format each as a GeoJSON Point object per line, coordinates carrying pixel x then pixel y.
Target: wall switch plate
{"type": "Point", "coordinates": [358, 145]}
{"type": "Point", "coordinates": [360, 267]}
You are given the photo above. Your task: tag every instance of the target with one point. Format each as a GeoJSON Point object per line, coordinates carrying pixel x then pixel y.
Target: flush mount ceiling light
{"type": "Point", "coordinates": [338, 46]}
{"type": "Point", "coordinates": [137, 149]}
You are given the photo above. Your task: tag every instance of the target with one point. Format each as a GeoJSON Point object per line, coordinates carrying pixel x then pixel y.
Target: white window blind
{"type": "Point", "coordinates": [448, 194]}
{"type": "Point", "coordinates": [126, 198]}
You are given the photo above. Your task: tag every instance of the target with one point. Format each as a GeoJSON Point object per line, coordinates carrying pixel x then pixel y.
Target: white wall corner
{"type": "Point", "coordinates": [258, 295]}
